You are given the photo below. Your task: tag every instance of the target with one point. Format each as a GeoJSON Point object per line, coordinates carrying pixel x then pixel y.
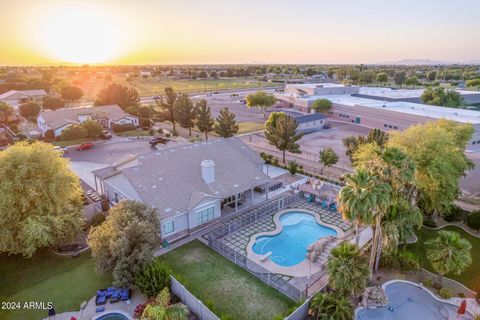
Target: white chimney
{"type": "Point", "coordinates": [208, 171]}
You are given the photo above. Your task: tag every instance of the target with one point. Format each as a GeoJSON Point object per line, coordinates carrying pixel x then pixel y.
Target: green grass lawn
{"type": "Point", "coordinates": [471, 276]}
{"type": "Point", "coordinates": [135, 133]}
{"type": "Point", "coordinates": [65, 281]}
{"type": "Point", "coordinates": [246, 127]}
{"type": "Point", "coordinates": [232, 290]}
{"type": "Point", "coordinates": [67, 143]}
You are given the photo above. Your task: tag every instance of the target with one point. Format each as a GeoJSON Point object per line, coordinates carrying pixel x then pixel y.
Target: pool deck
{"type": "Point", "coordinates": [303, 269]}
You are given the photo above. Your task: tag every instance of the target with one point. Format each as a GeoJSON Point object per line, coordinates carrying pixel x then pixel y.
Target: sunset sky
{"type": "Point", "coordinates": [246, 31]}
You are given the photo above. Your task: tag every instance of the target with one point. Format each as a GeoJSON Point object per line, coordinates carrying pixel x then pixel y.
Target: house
{"type": "Point", "coordinates": [16, 98]}
{"type": "Point", "coordinates": [311, 122]}
{"type": "Point", "coordinates": [191, 186]}
{"type": "Point", "coordinates": [61, 119]}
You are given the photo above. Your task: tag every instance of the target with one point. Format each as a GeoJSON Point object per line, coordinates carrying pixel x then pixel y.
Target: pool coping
{"type": "Point", "coordinates": [107, 312]}
{"type": "Point", "coordinates": [302, 269]}
{"type": "Point", "coordinates": [418, 285]}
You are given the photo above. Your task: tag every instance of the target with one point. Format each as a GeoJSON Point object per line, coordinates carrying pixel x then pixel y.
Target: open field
{"type": "Point", "coordinates": [233, 291]}
{"type": "Point", "coordinates": [155, 86]}
{"type": "Point", "coordinates": [46, 277]}
{"type": "Point", "coordinates": [470, 277]}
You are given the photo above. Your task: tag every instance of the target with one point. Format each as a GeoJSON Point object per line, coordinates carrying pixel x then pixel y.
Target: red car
{"type": "Point", "coordinates": [85, 146]}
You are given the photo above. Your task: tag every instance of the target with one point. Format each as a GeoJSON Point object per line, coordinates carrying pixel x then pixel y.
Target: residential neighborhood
{"type": "Point", "coordinates": [183, 161]}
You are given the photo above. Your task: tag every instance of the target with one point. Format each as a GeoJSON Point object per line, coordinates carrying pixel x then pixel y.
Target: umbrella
{"type": "Point", "coordinates": [462, 308]}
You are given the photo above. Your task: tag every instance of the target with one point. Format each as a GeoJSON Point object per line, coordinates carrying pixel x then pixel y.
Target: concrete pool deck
{"type": "Point", "coordinates": [302, 269]}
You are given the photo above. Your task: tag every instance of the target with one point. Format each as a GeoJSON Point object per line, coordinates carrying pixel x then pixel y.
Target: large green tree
{"type": "Point", "coordinates": [185, 112]}
{"type": "Point", "coordinates": [448, 253]}
{"type": "Point", "coordinates": [166, 107]}
{"type": "Point", "coordinates": [226, 125]}
{"type": "Point", "coordinates": [124, 243]}
{"type": "Point", "coordinates": [30, 110]}
{"type": "Point", "coordinates": [474, 83]}
{"type": "Point", "coordinates": [412, 81]}
{"type": "Point", "coordinates": [352, 143]}
{"type": "Point", "coordinates": [321, 105]}
{"type": "Point", "coordinates": [347, 269]}
{"type": "Point", "coordinates": [437, 149]}
{"type": "Point", "coordinates": [123, 96]}
{"type": "Point", "coordinates": [327, 157]}
{"type": "Point", "coordinates": [281, 132]}
{"type": "Point", "coordinates": [93, 128]}
{"type": "Point", "coordinates": [6, 112]}
{"type": "Point", "coordinates": [260, 99]}
{"type": "Point", "coordinates": [40, 199]}
{"type": "Point", "coordinates": [53, 102]}
{"type": "Point", "coordinates": [205, 123]}
{"type": "Point", "coordinates": [71, 93]}
{"type": "Point", "coordinates": [440, 97]}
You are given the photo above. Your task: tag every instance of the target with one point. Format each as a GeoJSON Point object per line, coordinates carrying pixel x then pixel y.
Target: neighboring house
{"type": "Point", "coordinates": [191, 186]}
{"type": "Point", "coordinates": [61, 119]}
{"type": "Point", "coordinates": [16, 98]}
{"type": "Point", "coordinates": [311, 122]}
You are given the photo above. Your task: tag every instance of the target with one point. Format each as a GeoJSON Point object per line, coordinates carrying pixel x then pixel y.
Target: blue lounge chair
{"type": "Point", "coordinates": [126, 293]}
{"type": "Point", "coordinates": [324, 204]}
{"type": "Point", "coordinates": [110, 291]}
{"type": "Point", "coordinates": [99, 309]}
{"type": "Point", "coordinates": [116, 296]}
{"type": "Point", "coordinates": [101, 297]}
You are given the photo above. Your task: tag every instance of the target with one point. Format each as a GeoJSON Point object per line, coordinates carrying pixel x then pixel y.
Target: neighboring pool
{"type": "Point", "coordinates": [410, 301]}
{"type": "Point", "coordinates": [113, 315]}
{"type": "Point", "coordinates": [289, 247]}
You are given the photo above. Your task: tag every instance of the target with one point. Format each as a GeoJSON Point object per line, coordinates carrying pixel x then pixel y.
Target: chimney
{"type": "Point", "coordinates": [208, 171]}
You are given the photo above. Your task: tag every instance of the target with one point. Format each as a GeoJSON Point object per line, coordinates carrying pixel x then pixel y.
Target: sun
{"type": "Point", "coordinates": [82, 34]}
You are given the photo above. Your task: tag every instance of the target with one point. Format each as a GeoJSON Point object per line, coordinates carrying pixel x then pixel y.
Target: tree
{"type": "Point", "coordinates": [399, 78]}
{"type": "Point", "coordinates": [382, 77]}
{"type": "Point", "coordinates": [185, 112]}
{"type": "Point", "coordinates": [448, 253]}
{"type": "Point", "coordinates": [292, 167]}
{"type": "Point", "coordinates": [364, 200]}
{"type": "Point", "coordinates": [432, 75]}
{"type": "Point", "coordinates": [93, 128]}
{"type": "Point", "coordinates": [347, 269]}
{"type": "Point", "coordinates": [474, 83]}
{"type": "Point", "coordinates": [328, 306]}
{"type": "Point", "coordinates": [6, 112]}
{"type": "Point", "coordinates": [167, 107]}
{"type": "Point", "coordinates": [153, 278]}
{"type": "Point", "coordinates": [204, 121]}
{"type": "Point", "coordinates": [261, 100]}
{"type": "Point", "coordinates": [30, 110]}
{"type": "Point", "coordinates": [226, 125]}
{"type": "Point", "coordinates": [367, 76]}
{"type": "Point", "coordinates": [118, 94]}
{"type": "Point", "coordinates": [53, 102]}
{"type": "Point", "coordinates": [412, 81]}
{"type": "Point", "coordinates": [73, 132]}
{"type": "Point", "coordinates": [440, 97]}
{"type": "Point", "coordinates": [40, 202]}
{"type": "Point", "coordinates": [321, 105]}
{"type": "Point", "coordinates": [281, 132]}
{"type": "Point", "coordinates": [71, 93]}
{"type": "Point", "coordinates": [124, 243]}
{"type": "Point", "coordinates": [437, 149]}
{"type": "Point", "coordinates": [328, 158]}
{"type": "Point", "coordinates": [352, 143]}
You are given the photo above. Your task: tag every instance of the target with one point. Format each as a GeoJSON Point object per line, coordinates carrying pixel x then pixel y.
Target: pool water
{"type": "Point", "coordinates": [289, 247]}
{"type": "Point", "coordinates": [112, 316]}
{"type": "Point", "coordinates": [410, 301]}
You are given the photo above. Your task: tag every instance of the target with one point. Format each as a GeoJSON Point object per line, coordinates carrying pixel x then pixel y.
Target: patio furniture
{"type": "Point", "coordinates": [116, 296]}
{"type": "Point", "coordinates": [99, 309]}
{"type": "Point", "coordinates": [101, 297]}
{"type": "Point", "coordinates": [126, 294]}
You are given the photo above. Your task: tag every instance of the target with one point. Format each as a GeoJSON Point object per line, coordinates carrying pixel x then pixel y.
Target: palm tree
{"type": "Point", "coordinates": [448, 253]}
{"type": "Point", "coordinates": [363, 200]}
{"type": "Point", "coordinates": [324, 306]}
{"type": "Point", "coordinates": [347, 269]}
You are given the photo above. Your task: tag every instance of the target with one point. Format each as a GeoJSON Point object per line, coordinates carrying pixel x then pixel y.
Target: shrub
{"type": "Point", "coordinates": [98, 219]}
{"type": "Point", "coordinates": [151, 132]}
{"type": "Point", "coordinates": [153, 278]}
{"type": "Point", "coordinates": [74, 132]}
{"type": "Point", "coordinates": [195, 139]}
{"type": "Point", "coordinates": [94, 129]}
{"type": "Point", "coordinates": [461, 295]}
{"type": "Point", "coordinates": [117, 128]}
{"type": "Point", "coordinates": [168, 135]}
{"type": "Point", "coordinates": [145, 122]}
{"type": "Point", "coordinates": [473, 220]}
{"type": "Point", "coordinates": [22, 136]}
{"type": "Point", "coordinates": [445, 293]}
{"type": "Point", "coordinates": [49, 135]}
{"type": "Point", "coordinates": [292, 167]}
{"type": "Point", "coordinates": [454, 214]}
{"type": "Point", "coordinates": [428, 282]}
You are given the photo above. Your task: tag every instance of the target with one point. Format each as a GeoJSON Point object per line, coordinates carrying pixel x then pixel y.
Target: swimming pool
{"type": "Point", "coordinates": [289, 247]}
{"type": "Point", "coordinates": [408, 300]}
{"type": "Point", "coordinates": [113, 315]}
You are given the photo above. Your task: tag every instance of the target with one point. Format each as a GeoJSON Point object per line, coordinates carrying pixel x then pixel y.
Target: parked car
{"type": "Point", "coordinates": [85, 146]}
{"type": "Point", "coordinates": [106, 135]}
{"type": "Point", "coordinates": [63, 150]}
{"type": "Point", "coordinates": [156, 97]}
{"type": "Point", "coordinates": [155, 140]}
{"type": "Point", "coordinates": [215, 92]}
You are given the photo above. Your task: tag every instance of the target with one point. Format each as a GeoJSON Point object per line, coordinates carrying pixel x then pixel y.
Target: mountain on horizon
{"type": "Point", "coordinates": [412, 62]}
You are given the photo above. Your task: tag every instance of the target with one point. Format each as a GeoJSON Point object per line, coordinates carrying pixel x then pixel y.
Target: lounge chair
{"type": "Point", "coordinates": [101, 297]}
{"type": "Point", "coordinates": [116, 296]}
{"type": "Point", "coordinates": [99, 309]}
{"type": "Point", "coordinates": [110, 291]}
{"type": "Point", "coordinates": [126, 293]}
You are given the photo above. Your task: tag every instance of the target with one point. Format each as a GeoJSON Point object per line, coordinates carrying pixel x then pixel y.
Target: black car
{"type": "Point", "coordinates": [155, 140]}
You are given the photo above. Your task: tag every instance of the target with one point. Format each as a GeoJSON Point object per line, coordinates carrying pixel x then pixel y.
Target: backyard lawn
{"type": "Point", "coordinates": [46, 277]}
{"type": "Point", "coordinates": [215, 280]}
{"type": "Point", "coordinates": [470, 277]}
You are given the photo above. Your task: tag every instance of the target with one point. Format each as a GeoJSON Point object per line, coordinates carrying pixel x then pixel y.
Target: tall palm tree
{"type": "Point", "coordinates": [347, 269]}
{"type": "Point", "coordinates": [325, 306]}
{"type": "Point", "coordinates": [363, 201]}
{"type": "Point", "coordinates": [448, 253]}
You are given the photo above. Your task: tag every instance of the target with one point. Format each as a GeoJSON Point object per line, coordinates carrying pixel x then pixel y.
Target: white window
{"type": "Point", "coordinates": [206, 215]}
{"type": "Point", "coordinates": [168, 227]}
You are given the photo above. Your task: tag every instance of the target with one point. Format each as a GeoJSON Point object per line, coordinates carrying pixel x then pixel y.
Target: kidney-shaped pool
{"type": "Point", "coordinates": [289, 247]}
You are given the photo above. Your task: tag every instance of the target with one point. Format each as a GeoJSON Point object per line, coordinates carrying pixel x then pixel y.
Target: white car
{"type": "Point", "coordinates": [63, 150]}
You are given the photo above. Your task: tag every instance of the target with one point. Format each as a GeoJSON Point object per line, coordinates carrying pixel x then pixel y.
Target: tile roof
{"type": "Point", "coordinates": [27, 92]}
{"type": "Point", "coordinates": [171, 179]}
{"type": "Point", "coordinates": [58, 118]}
{"type": "Point", "coordinates": [309, 117]}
